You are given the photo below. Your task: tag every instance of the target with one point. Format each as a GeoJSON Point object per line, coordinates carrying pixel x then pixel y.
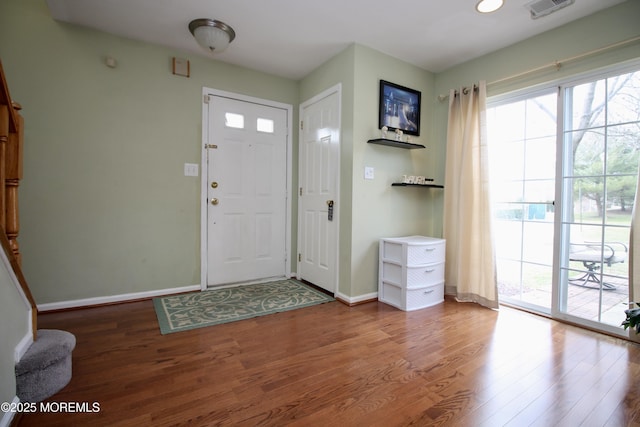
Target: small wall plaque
{"type": "Point", "coordinates": [180, 67]}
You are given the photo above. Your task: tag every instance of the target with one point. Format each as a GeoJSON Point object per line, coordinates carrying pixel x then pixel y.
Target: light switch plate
{"type": "Point", "coordinates": [190, 169]}
{"type": "Point", "coordinates": [368, 172]}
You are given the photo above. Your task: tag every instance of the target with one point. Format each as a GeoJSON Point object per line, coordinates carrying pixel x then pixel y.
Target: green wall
{"type": "Point", "coordinates": [105, 207]}
{"type": "Point", "coordinates": [380, 210]}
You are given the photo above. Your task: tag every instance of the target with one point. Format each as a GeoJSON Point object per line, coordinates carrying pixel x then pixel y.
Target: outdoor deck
{"type": "Point", "coordinates": [582, 302]}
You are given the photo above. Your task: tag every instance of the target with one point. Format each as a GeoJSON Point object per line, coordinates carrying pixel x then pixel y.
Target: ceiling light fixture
{"type": "Point", "coordinates": [488, 6]}
{"type": "Point", "coordinates": [212, 35]}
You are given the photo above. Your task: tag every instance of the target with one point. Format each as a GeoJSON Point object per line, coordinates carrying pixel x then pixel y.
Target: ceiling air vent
{"type": "Point", "coordinates": [539, 8]}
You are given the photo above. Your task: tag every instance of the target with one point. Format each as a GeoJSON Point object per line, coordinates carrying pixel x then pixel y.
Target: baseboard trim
{"type": "Point", "coordinates": [7, 417]}
{"type": "Point", "coordinates": [357, 300]}
{"type": "Point", "coordinates": [23, 346]}
{"type": "Point", "coordinates": [112, 299]}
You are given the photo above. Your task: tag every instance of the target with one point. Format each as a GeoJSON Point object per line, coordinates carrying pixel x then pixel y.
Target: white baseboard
{"type": "Point", "coordinates": [346, 298]}
{"type": "Point", "coordinates": [7, 417]}
{"type": "Point", "coordinates": [23, 346]}
{"type": "Point", "coordinates": [358, 298]}
{"type": "Point", "coordinates": [88, 302]}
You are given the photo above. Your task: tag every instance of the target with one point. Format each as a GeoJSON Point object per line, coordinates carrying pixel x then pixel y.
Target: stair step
{"type": "Point", "coordinates": [46, 366]}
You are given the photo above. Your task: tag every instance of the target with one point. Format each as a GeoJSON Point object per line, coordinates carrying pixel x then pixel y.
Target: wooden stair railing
{"type": "Point", "coordinates": [11, 143]}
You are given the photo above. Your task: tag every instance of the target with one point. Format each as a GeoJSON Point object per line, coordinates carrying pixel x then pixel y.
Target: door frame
{"type": "Point", "coordinates": [206, 92]}
{"type": "Point", "coordinates": [336, 89]}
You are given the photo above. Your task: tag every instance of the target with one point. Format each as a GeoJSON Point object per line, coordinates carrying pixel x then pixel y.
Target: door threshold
{"type": "Point", "coordinates": [249, 282]}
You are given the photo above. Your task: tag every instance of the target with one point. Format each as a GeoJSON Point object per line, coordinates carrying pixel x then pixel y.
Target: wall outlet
{"type": "Point", "coordinates": [190, 169]}
{"type": "Point", "coordinates": [368, 172]}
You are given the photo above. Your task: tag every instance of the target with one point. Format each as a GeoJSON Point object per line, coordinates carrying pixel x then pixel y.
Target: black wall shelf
{"type": "Point", "coordinates": [402, 184]}
{"type": "Point", "coordinates": [393, 143]}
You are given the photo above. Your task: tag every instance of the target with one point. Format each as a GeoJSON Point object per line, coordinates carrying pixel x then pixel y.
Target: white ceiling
{"type": "Point", "coordinates": [290, 38]}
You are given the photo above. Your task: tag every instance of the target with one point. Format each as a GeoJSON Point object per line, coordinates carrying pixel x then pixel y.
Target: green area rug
{"type": "Point", "coordinates": [196, 310]}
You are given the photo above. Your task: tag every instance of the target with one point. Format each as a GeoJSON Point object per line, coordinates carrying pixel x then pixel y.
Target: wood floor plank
{"type": "Point", "coordinates": [455, 364]}
{"type": "Point", "coordinates": [584, 389]}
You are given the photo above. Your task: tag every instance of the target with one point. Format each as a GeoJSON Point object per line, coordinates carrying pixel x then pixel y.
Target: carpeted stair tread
{"type": "Point", "coordinates": [46, 366]}
{"type": "Point", "coordinates": [51, 346]}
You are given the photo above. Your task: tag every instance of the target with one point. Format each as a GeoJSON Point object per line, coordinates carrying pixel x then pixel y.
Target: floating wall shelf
{"type": "Point", "coordinates": [402, 184]}
{"type": "Point", "coordinates": [394, 143]}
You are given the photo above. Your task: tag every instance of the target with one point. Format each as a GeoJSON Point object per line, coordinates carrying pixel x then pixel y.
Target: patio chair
{"type": "Point", "coordinates": [593, 256]}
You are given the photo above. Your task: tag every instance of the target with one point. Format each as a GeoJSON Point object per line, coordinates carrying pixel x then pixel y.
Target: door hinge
{"type": "Point", "coordinates": [299, 257]}
{"type": "Point", "coordinates": [206, 99]}
{"type": "Point", "coordinates": [301, 125]}
{"type": "Point", "coordinates": [301, 191]}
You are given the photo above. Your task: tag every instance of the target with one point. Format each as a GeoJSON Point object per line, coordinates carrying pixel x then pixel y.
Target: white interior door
{"type": "Point", "coordinates": [246, 191]}
{"type": "Point", "coordinates": [319, 172]}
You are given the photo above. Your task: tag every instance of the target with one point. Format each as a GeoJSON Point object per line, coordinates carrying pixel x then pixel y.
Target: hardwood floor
{"type": "Point", "coordinates": [369, 365]}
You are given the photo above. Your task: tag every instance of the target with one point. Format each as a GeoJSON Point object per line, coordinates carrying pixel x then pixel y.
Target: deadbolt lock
{"type": "Point", "coordinates": [330, 210]}
{"type": "Point", "coordinates": [214, 184]}
{"type": "Point", "coordinates": [214, 201]}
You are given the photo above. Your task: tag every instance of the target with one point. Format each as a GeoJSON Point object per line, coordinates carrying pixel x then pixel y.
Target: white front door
{"type": "Point", "coordinates": [319, 172]}
{"type": "Point", "coordinates": [246, 191]}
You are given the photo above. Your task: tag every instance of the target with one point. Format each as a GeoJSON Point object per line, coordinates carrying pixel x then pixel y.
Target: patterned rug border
{"type": "Point", "coordinates": [173, 311]}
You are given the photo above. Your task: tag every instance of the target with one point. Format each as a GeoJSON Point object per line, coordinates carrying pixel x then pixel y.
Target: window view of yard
{"type": "Point", "coordinates": [601, 150]}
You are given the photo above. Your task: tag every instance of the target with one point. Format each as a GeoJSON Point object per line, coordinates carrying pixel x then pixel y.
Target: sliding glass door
{"type": "Point", "coordinates": [564, 167]}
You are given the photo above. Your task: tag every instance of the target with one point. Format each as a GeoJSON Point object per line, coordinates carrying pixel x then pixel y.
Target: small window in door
{"type": "Point", "coordinates": [265, 125]}
{"type": "Point", "coordinates": [233, 120]}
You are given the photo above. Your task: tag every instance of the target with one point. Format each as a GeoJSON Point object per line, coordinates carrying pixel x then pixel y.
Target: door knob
{"type": "Point", "coordinates": [214, 201]}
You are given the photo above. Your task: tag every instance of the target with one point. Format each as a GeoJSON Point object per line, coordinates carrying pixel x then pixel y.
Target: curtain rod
{"type": "Point", "coordinates": [557, 64]}
{"type": "Point", "coordinates": [465, 90]}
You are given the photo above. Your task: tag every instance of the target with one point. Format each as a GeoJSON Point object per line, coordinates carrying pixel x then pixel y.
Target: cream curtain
{"type": "Point", "coordinates": [470, 270]}
{"type": "Point", "coordinates": [634, 256]}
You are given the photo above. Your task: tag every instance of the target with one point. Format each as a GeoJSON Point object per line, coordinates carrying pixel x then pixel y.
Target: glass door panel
{"type": "Point", "coordinates": [522, 137]}
{"type": "Point", "coordinates": [601, 141]}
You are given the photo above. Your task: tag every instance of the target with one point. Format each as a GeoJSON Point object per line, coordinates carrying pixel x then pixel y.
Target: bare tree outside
{"type": "Point", "coordinates": [614, 102]}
